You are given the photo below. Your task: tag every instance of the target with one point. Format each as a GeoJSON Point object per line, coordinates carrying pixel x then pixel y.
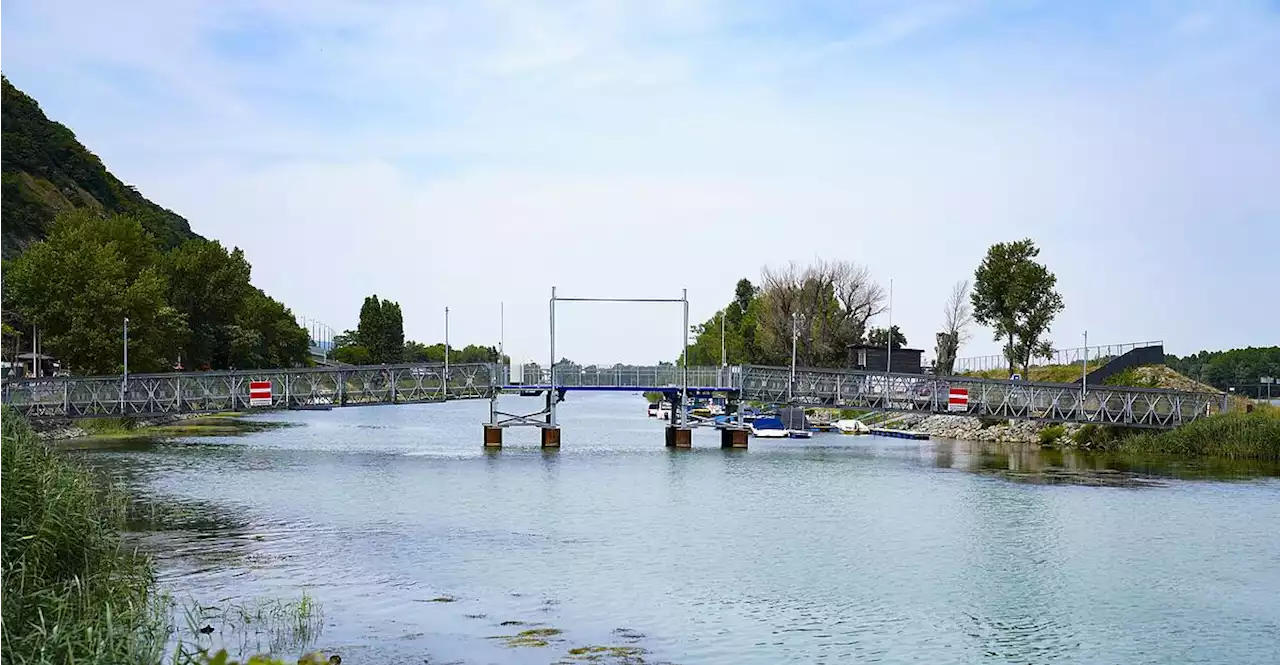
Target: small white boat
{"type": "Point", "coordinates": [664, 410]}
{"type": "Point", "coordinates": [851, 426]}
{"type": "Point", "coordinates": [799, 434]}
{"type": "Point", "coordinates": [769, 428]}
{"type": "Point", "coordinates": [653, 410]}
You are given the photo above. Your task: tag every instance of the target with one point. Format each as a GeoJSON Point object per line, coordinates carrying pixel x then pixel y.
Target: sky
{"type": "Point", "coordinates": [472, 155]}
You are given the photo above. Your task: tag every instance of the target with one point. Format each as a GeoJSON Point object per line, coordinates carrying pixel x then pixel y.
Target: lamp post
{"type": "Point", "coordinates": [124, 384]}
{"type": "Point", "coordinates": [795, 334]}
{"type": "Point", "coordinates": [1084, 369]}
{"type": "Point", "coordinates": [446, 353]}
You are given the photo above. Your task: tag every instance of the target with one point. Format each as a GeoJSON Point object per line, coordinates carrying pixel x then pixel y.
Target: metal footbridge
{"type": "Point", "coordinates": [154, 395]}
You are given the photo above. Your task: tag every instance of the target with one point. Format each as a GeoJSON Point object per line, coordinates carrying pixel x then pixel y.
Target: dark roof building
{"type": "Point", "coordinates": [876, 359]}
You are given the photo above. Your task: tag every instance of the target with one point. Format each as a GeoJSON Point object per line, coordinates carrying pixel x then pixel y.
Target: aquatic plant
{"type": "Point", "coordinates": [73, 592]}
{"type": "Point", "coordinates": [1231, 435]}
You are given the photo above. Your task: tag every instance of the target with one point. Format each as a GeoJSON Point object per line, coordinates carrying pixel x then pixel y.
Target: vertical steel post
{"type": "Point", "coordinates": [444, 383]}
{"type": "Point", "coordinates": [1084, 372]}
{"type": "Point", "coordinates": [124, 386]}
{"type": "Point", "coordinates": [684, 382]}
{"type": "Point", "coordinates": [795, 332]}
{"type": "Point", "coordinates": [551, 394]}
{"type": "Point", "coordinates": [888, 359]}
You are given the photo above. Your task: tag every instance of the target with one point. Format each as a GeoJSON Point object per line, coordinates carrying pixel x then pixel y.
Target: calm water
{"type": "Point", "coordinates": [833, 550]}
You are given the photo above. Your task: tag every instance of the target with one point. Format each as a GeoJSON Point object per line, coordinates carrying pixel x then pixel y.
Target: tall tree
{"type": "Point", "coordinates": [266, 334]}
{"type": "Point", "coordinates": [880, 337]}
{"type": "Point", "coordinates": [957, 314]}
{"type": "Point", "coordinates": [831, 301]}
{"type": "Point", "coordinates": [1015, 296]}
{"type": "Point", "coordinates": [210, 286]}
{"type": "Point", "coordinates": [80, 284]}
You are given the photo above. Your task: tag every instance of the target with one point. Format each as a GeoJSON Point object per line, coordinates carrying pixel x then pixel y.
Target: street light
{"type": "Point", "coordinates": [124, 385]}
{"type": "Point", "coordinates": [795, 334]}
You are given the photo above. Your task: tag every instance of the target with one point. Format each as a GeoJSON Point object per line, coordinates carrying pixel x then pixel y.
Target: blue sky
{"type": "Point", "coordinates": [464, 154]}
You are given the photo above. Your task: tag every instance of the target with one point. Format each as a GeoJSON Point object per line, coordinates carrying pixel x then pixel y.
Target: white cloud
{"type": "Point", "coordinates": [466, 154]}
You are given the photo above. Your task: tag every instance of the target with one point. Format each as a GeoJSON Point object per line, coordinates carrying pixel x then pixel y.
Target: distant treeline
{"type": "Point", "coordinates": [1223, 369]}
{"type": "Point", "coordinates": [379, 338]}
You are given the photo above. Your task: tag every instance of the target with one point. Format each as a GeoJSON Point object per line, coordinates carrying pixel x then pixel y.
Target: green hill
{"type": "Point", "coordinates": [47, 171]}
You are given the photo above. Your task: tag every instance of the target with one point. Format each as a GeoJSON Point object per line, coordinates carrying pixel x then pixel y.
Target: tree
{"type": "Point", "coordinates": [266, 335]}
{"type": "Point", "coordinates": [880, 337]}
{"type": "Point", "coordinates": [80, 284]}
{"type": "Point", "coordinates": [832, 301]}
{"type": "Point", "coordinates": [210, 286]}
{"type": "Point", "coordinates": [381, 330]}
{"type": "Point", "coordinates": [957, 314]}
{"type": "Point", "coordinates": [1015, 296]}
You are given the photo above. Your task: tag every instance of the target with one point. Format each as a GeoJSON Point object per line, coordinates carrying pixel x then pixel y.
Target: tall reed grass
{"type": "Point", "coordinates": [73, 592]}
{"type": "Point", "coordinates": [1230, 435]}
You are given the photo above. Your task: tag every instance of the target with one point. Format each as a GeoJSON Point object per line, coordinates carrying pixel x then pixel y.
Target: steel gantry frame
{"type": "Point", "coordinates": [148, 395]}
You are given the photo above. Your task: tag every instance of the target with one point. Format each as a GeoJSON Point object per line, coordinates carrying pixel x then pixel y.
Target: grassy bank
{"type": "Point", "coordinates": [1230, 435]}
{"type": "Point", "coordinates": [73, 592]}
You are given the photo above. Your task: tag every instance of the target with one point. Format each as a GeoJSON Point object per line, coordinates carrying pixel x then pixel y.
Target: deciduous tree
{"type": "Point", "coordinates": [1015, 296]}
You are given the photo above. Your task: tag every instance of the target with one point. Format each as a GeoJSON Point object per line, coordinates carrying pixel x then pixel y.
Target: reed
{"type": "Point", "coordinates": [1229, 435]}
{"type": "Point", "coordinates": [73, 591]}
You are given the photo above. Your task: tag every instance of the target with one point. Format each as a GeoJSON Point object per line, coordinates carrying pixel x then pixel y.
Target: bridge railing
{"type": "Point", "coordinates": [1065, 356]}
{"type": "Point", "coordinates": [203, 392]}
{"type": "Point", "coordinates": [986, 398]}
{"type": "Point", "coordinates": [650, 376]}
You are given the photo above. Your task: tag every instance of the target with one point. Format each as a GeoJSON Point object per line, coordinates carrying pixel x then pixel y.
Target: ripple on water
{"type": "Point", "coordinates": [824, 551]}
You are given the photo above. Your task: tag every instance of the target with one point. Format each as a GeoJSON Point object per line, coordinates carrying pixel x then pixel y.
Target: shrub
{"type": "Point", "coordinates": [1051, 434]}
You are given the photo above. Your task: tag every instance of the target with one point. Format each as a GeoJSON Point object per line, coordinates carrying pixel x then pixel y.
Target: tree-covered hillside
{"type": "Point", "coordinates": [46, 171]}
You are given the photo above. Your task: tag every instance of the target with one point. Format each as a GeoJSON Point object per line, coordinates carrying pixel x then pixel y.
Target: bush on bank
{"type": "Point", "coordinates": [1231, 435]}
{"type": "Point", "coordinates": [73, 593]}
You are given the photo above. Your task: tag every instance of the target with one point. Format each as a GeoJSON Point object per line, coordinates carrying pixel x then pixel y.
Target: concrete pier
{"type": "Point", "coordinates": [550, 437]}
{"type": "Point", "coordinates": [679, 437]}
{"type": "Point", "coordinates": [733, 437]}
{"type": "Point", "coordinates": [492, 436]}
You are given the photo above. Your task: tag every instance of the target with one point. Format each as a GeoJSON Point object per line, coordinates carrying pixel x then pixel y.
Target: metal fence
{"type": "Point", "coordinates": [203, 392]}
{"type": "Point", "coordinates": [1068, 356]}
{"type": "Point", "coordinates": [200, 392]}
{"type": "Point", "coordinates": [1111, 405]}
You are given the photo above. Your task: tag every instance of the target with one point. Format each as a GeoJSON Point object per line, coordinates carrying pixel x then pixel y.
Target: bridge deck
{"type": "Point", "coordinates": [149, 395]}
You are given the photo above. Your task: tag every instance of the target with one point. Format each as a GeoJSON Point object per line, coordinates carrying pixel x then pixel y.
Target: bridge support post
{"type": "Point", "coordinates": [550, 437]}
{"type": "Point", "coordinates": [733, 437]}
{"type": "Point", "coordinates": [679, 437]}
{"type": "Point", "coordinates": [492, 436]}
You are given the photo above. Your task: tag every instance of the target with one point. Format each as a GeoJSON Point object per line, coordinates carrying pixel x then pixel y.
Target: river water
{"type": "Point", "coordinates": [420, 546]}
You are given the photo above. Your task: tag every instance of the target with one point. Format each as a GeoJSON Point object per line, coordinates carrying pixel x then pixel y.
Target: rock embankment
{"type": "Point", "coordinates": [972, 429]}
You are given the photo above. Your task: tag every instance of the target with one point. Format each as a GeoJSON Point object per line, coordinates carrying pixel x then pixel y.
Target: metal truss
{"type": "Point", "coordinates": [149, 395]}
{"type": "Point", "coordinates": [203, 392]}
{"type": "Point", "coordinates": [1111, 405]}
{"type": "Point", "coordinates": [633, 376]}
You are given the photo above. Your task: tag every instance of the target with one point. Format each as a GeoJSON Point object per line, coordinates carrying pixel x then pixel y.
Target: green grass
{"type": "Point", "coordinates": [1131, 378]}
{"type": "Point", "coordinates": [1048, 373]}
{"type": "Point", "coordinates": [1229, 435]}
{"type": "Point", "coordinates": [73, 592]}
{"type": "Point", "coordinates": [1051, 434]}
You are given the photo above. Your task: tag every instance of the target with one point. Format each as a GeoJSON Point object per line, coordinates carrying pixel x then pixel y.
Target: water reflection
{"type": "Point", "coordinates": [1032, 464]}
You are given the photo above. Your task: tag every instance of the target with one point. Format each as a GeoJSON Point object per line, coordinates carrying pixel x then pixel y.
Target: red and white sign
{"type": "Point", "coordinates": [259, 393]}
{"type": "Point", "coordinates": [958, 399]}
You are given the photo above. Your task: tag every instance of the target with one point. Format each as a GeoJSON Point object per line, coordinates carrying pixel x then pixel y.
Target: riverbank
{"type": "Point", "coordinates": [74, 590]}
{"type": "Point", "coordinates": [186, 424]}
{"type": "Point", "coordinates": [1230, 435]}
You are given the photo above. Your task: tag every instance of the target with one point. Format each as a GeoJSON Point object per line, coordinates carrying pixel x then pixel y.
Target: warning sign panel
{"type": "Point", "coordinates": [958, 399]}
{"type": "Point", "coordinates": [259, 393]}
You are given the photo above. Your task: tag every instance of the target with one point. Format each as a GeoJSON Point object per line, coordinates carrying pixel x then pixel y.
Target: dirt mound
{"type": "Point", "coordinates": [1161, 376]}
